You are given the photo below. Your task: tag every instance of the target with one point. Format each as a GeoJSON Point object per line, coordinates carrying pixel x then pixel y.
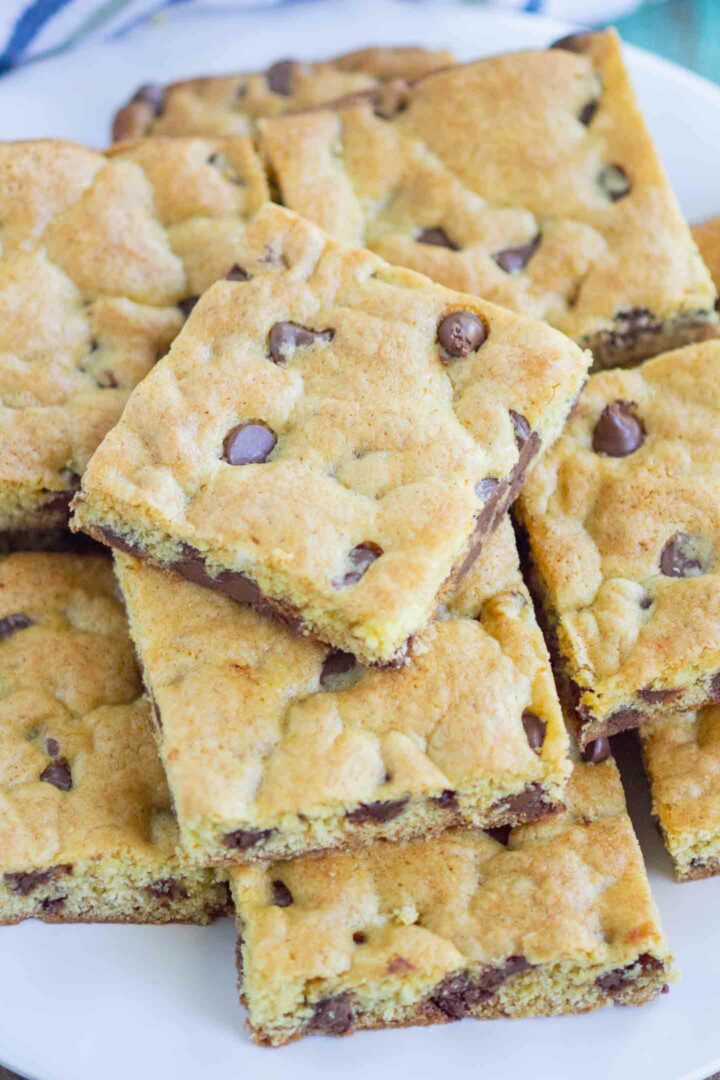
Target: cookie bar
{"type": "Point", "coordinates": [231, 105]}
{"type": "Point", "coordinates": [275, 747]}
{"type": "Point", "coordinates": [707, 238]}
{"type": "Point", "coordinates": [102, 257]}
{"type": "Point", "coordinates": [330, 438]}
{"type": "Point", "coordinates": [555, 918]}
{"type": "Point", "coordinates": [622, 519]}
{"type": "Point", "coordinates": [682, 760]}
{"type": "Point", "coordinates": [86, 829]}
{"type": "Point", "coordinates": [528, 179]}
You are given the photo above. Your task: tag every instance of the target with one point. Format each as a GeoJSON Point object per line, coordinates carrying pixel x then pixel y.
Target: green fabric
{"type": "Point", "coordinates": [686, 31]}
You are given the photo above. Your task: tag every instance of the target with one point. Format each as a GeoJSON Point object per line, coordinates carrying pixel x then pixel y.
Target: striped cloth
{"type": "Point", "coordinates": [33, 29]}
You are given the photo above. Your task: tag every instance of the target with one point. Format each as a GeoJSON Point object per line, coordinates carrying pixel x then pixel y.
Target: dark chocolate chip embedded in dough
{"type": "Point", "coordinates": [624, 976]}
{"type": "Point", "coordinates": [332, 1016]}
{"type": "Point", "coordinates": [50, 906]}
{"type": "Point", "coordinates": [437, 237]}
{"type": "Point", "coordinates": [535, 729]}
{"type": "Point", "coordinates": [615, 182]}
{"type": "Point", "coordinates": [521, 428]}
{"type": "Point", "coordinates": [249, 444]}
{"type": "Point", "coordinates": [167, 889]}
{"type": "Point", "coordinates": [359, 561]}
{"type": "Point", "coordinates": [359, 937]}
{"type": "Point", "coordinates": [587, 113]}
{"type": "Point", "coordinates": [461, 333]}
{"type": "Point", "coordinates": [446, 800]}
{"type": "Point", "coordinates": [23, 883]}
{"type": "Point", "coordinates": [53, 747]}
{"type": "Point", "coordinates": [237, 273]}
{"type": "Point", "coordinates": [281, 895]}
{"type": "Point", "coordinates": [12, 624]}
{"type": "Point", "coordinates": [501, 833]}
{"type": "Point", "coordinates": [513, 260]}
{"type": "Point", "coordinates": [336, 663]}
{"type": "Point", "coordinates": [378, 812]}
{"type": "Point", "coordinates": [279, 77]}
{"type": "Point", "coordinates": [597, 751]}
{"type": "Point", "coordinates": [680, 557]}
{"type": "Point", "coordinates": [188, 304]}
{"type": "Point", "coordinates": [285, 337]}
{"type": "Point", "coordinates": [656, 697]}
{"type": "Point", "coordinates": [618, 432]}
{"type": "Point", "coordinates": [242, 839]}
{"type": "Point", "coordinates": [58, 774]}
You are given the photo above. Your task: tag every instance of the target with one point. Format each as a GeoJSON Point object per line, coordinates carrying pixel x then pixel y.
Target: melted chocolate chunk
{"type": "Point", "coordinates": [618, 431]}
{"type": "Point", "coordinates": [621, 977]}
{"type": "Point", "coordinates": [680, 557]}
{"type": "Point", "coordinates": [336, 663]}
{"type": "Point", "coordinates": [242, 839]}
{"type": "Point", "coordinates": [522, 429]}
{"type": "Point", "coordinates": [501, 834]}
{"type": "Point", "coordinates": [58, 774]}
{"type": "Point", "coordinates": [587, 113]}
{"type": "Point", "coordinates": [456, 994]}
{"type": "Point", "coordinates": [285, 337]}
{"type": "Point", "coordinates": [359, 937]}
{"type": "Point", "coordinates": [50, 907]}
{"type": "Point", "coordinates": [528, 805]}
{"type": "Point", "coordinates": [167, 889]}
{"type": "Point", "coordinates": [513, 260]}
{"type": "Point", "coordinates": [279, 77]}
{"type": "Point", "coordinates": [615, 182]}
{"type": "Point", "coordinates": [281, 895]}
{"type": "Point", "coordinates": [12, 624]}
{"type": "Point", "coordinates": [237, 273]}
{"type": "Point", "coordinates": [438, 237]}
{"type": "Point", "coordinates": [53, 747]}
{"type": "Point", "coordinates": [378, 812]}
{"type": "Point", "coordinates": [535, 729]}
{"type": "Point", "coordinates": [461, 333]}
{"type": "Point", "coordinates": [359, 560]}
{"type": "Point", "coordinates": [332, 1016]}
{"type": "Point", "coordinates": [188, 304]}
{"type": "Point", "coordinates": [22, 884]}
{"type": "Point", "coordinates": [597, 751]}
{"type": "Point", "coordinates": [446, 800]}
{"type": "Point", "coordinates": [655, 697]}
{"type": "Point", "coordinates": [249, 444]}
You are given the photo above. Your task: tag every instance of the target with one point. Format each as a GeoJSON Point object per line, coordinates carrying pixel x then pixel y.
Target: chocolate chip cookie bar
{"type": "Point", "coordinates": [102, 258]}
{"type": "Point", "coordinates": [86, 829]}
{"type": "Point", "coordinates": [330, 438]}
{"type": "Point", "coordinates": [528, 178]}
{"type": "Point", "coordinates": [623, 522]}
{"type": "Point", "coordinates": [276, 747]}
{"type": "Point", "coordinates": [440, 929]}
{"type": "Point", "coordinates": [231, 105]}
{"type": "Point", "coordinates": [682, 760]}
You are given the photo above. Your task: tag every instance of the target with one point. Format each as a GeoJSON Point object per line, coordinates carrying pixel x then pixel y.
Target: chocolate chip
{"type": "Point", "coordinates": [167, 889]}
{"type": "Point", "coordinates": [714, 688]}
{"type": "Point", "coordinates": [513, 260]}
{"type": "Point", "coordinates": [53, 747]}
{"type": "Point", "coordinates": [446, 800]}
{"type": "Point", "coordinates": [615, 182]}
{"type": "Point", "coordinates": [52, 906]}
{"type": "Point", "coordinates": [22, 884]}
{"type": "Point", "coordinates": [461, 333]}
{"type": "Point", "coordinates": [680, 557]}
{"type": "Point", "coordinates": [597, 751]}
{"type": "Point", "coordinates": [242, 839]}
{"type": "Point", "coordinates": [359, 560]}
{"type": "Point", "coordinates": [151, 94]}
{"type": "Point", "coordinates": [535, 729]}
{"type": "Point", "coordinates": [646, 603]}
{"type": "Point", "coordinates": [398, 965]}
{"type": "Point", "coordinates": [12, 624]}
{"type": "Point", "coordinates": [378, 812]}
{"type": "Point", "coordinates": [621, 977]}
{"type": "Point", "coordinates": [188, 304]}
{"type": "Point", "coordinates": [655, 697]}
{"type": "Point", "coordinates": [332, 1016]}
{"type": "Point", "coordinates": [576, 43]}
{"type": "Point", "coordinates": [501, 834]}
{"type": "Point", "coordinates": [631, 326]}
{"type": "Point", "coordinates": [521, 428]}
{"type": "Point", "coordinates": [456, 994]}
{"type": "Point", "coordinates": [618, 431]}
{"type": "Point", "coordinates": [336, 663]}
{"type": "Point", "coordinates": [237, 273]}
{"type": "Point", "coordinates": [58, 774]}
{"type": "Point", "coordinates": [487, 487]}
{"type": "Point", "coordinates": [279, 77]}
{"type": "Point", "coordinates": [249, 444]}
{"type": "Point", "coordinates": [436, 236]}
{"type": "Point", "coordinates": [359, 937]}
{"type": "Point", "coordinates": [527, 805]}
{"type": "Point", "coordinates": [587, 113]}
{"type": "Point", "coordinates": [281, 895]}
{"type": "Point", "coordinates": [287, 336]}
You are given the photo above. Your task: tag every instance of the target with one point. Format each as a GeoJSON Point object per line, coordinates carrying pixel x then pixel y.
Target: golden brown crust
{"type": "Point", "coordinates": [707, 238]}
{"type": "Point", "coordinates": [561, 211]}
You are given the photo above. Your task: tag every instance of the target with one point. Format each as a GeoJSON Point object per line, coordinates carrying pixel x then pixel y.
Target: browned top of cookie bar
{"type": "Point", "coordinates": [98, 255]}
{"type": "Point", "coordinates": [230, 105]}
{"type": "Point", "coordinates": [79, 773]}
{"type": "Point", "coordinates": [331, 425]}
{"type": "Point", "coordinates": [258, 724]}
{"type": "Point", "coordinates": [527, 178]}
{"type": "Point", "coordinates": [623, 516]}
{"type": "Point", "coordinates": [387, 924]}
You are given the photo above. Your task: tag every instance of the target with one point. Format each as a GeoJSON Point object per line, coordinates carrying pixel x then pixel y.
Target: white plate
{"type": "Point", "coordinates": [113, 1003]}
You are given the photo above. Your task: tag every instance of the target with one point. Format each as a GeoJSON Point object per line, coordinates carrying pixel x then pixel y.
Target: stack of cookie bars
{"type": "Point", "coordinates": [315, 687]}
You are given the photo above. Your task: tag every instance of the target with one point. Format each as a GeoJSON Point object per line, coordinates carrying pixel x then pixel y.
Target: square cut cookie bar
{"type": "Point", "coordinates": [86, 829]}
{"type": "Point", "coordinates": [231, 104]}
{"type": "Point", "coordinates": [529, 179]}
{"type": "Point", "coordinates": [275, 747]}
{"type": "Point", "coordinates": [330, 438]}
{"type": "Point", "coordinates": [682, 760]}
{"type": "Point", "coordinates": [102, 257]}
{"type": "Point", "coordinates": [623, 523]}
{"type": "Point", "coordinates": [558, 918]}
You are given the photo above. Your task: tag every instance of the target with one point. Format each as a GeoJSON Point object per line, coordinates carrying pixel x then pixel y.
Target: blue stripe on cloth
{"type": "Point", "coordinates": [27, 27]}
{"type": "Point", "coordinates": [533, 6]}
